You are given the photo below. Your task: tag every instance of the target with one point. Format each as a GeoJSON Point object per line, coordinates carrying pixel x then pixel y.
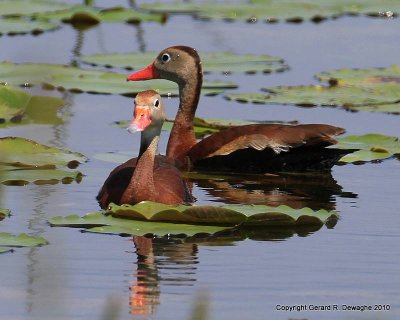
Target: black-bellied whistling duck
{"type": "Point", "coordinates": [148, 177]}
{"type": "Point", "coordinates": [248, 148]}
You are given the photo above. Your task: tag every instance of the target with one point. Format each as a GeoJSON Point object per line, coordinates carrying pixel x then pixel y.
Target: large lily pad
{"type": "Point", "coordinates": [19, 107]}
{"type": "Point", "coordinates": [14, 26]}
{"type": "Point", "coordinates": [225, 62]}
{"type": "Point", "coordinates": [99, 223]}
{"type": "Point", "coordinates": [38, 176]}
{"type": "Point", "coordinates": [372, 147]}
{"type": "Point", "coordinates": [22, 240]}
{"type": "Point", "coordinates": [278, 10]}
{"type": "Point", "coordinates": [22, 152]}
{"type": "Point", "coordinates": [259, 215]}
{"type": "Point", "coordinates": [92, 81]}
{"type": "Point", "coordinates": [372, 90]}
{"type": "Point", "coordinates": [29, 7]}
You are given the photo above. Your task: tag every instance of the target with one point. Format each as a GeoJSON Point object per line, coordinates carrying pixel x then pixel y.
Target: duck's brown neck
{"type": "Point", "coordinates": [141, 187]}
{"type": "Point", "coordinates": [182, 136]}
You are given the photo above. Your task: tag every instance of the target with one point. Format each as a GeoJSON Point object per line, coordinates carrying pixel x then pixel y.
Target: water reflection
{"type": "Point", "coordinates": [313, 190]}
{"type": "Point", "coordinates": [159, 262]}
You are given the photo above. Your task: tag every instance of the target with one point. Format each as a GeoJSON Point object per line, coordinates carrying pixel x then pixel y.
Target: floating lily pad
{"type": "Point", "coordinates": [51, 10]}
{"type": "Point", "coordinates": [38, 176]}
{"type": "Point", "coordinates": [22, 152]}
{"type": "Point", "coordinates": [92, 81]}
{"type": "Point", "coordinates": [259, 215]}
{"type": "Point", "coordinates": [4, 213]}
{"type": "Point", "coordinates": [19, 107]}
{"type": "Point", "coordinates": [363, 77]}
{"type": "Point", "coordinates": [14, 26]}
{"type": "Point", "coordinates": [22, 240]}
{"type": "Point", "coordinates": [29, 7]}
{"type": "Point", "coordinates": [93, 15]}
{"type": "Point", "coordinates": [372, 90]}
{"type": "Point", "coordinates": [372, 147]}
{"type": "Point", "coordinates": [278, 10]}
{"type": "Point", "coordinates": [99, 223]}
{"type": "Point", "coordinates": [220, 62]}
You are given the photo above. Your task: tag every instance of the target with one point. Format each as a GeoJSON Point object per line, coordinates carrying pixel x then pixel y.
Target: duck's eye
{"type": "Point", "coordinates": [165, 57]}
{"type": "Point", "coordinates": [156, 103]}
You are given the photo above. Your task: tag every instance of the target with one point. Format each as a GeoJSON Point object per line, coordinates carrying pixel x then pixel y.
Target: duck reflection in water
{"type": "Point", "coordinates": [159, 261]}
{"type": "Point", "coordinates": [316, 190]}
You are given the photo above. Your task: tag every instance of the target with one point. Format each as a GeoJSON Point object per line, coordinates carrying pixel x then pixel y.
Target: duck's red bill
{"type": "Point", "coordinates": [147, 73]}
{"type": "Point", "coordinates": [142, 119]}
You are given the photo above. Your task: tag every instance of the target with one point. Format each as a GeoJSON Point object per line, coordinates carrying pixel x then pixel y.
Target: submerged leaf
{"type": "Point", "coordinates": [221, 62]}
{"type": "Point", "coordinates": [92, 81]}
{"type": "Point", "coordinates": [372, 147]}
{"type": "Point", "coordinates": [22, 152]}
{"type": "Point", "coordinates": [18, 107]}
{"type": "Point", "coordinates": [13, 103]}
{"type": "Point", "coordinates": [22, 240]}
{"type": "Point", "coordinates": [99, 223]}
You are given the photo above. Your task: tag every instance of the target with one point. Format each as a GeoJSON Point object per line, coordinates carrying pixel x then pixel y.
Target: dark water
{"type": "Point", "coordinates": [83, 276]}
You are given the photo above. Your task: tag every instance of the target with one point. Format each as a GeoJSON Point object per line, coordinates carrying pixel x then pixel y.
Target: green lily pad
{"type": "Point", "coordinates": [278, 10]}
{"type": "Point", "coordinates": [364, 77]}
{"type": "Point", "coordinates": [259, 215]}
{"type": "Point", "coordinates": [344, 96]}
{"type": "Point", "coordinates": [92, 81]}
{"type": "Point", "coordinates": [38, 176]}
{"type": "Point", "coordinates": [219, 62]}
{"type": "Point", "coordinates": [99, 223]}
{"type": "Point", "coordinates": [14, 26]}
{"type": "Point", "coordinates": [59, 11]}
{"type": "Point", "coordinates": [22, 152]}
{"type": "Point", "coordinates": [17, 107]}
{"type": "Point", "coordinates": [29, 7]}
{"type": "Point", "coordinates": [372, 147]}
{"type": "Point", "coordinates": [22, 240]}
{"type": "Point", "coordinates": [5, 250]}
{"type": "Point", "coordinates": [93, 15]}
{"type": "Point", "coordinates": [371, 90]}
{"type": "Point", "coordinates": [4, 213]}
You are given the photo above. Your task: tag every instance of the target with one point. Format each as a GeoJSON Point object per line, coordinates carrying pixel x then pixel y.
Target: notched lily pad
{"type": "Point", "coordinates": [22, 152]}
{"type": "Point", "coordinates": [92, 81]}
{"type": "Point", "coordinates": [99, 223]}
{"type": "Point", "coordinates": [220, 62]}
{"type": "Point", "coordinates": [16, 26]}
{"type": "Point", "coordinates": [372, 147]}
{"type": "Point", "coordinates": [13, 103]}
{"type": "Point", "coordinates": [259, 215]}
{"type": "Point", "coordinates": [22, 240]}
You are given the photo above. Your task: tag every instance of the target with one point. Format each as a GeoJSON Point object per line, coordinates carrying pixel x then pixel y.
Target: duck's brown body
{"type": "Point", "coordinates": [250, 148]}
{"type": "Point", "coordinates": [148, 177]}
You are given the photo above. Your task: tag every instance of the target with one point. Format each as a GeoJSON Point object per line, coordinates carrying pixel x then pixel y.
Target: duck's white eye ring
{"type": "Point", "coordinates": [156, 103]}
{"type": "Point", "coordinates": [165, 58]}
